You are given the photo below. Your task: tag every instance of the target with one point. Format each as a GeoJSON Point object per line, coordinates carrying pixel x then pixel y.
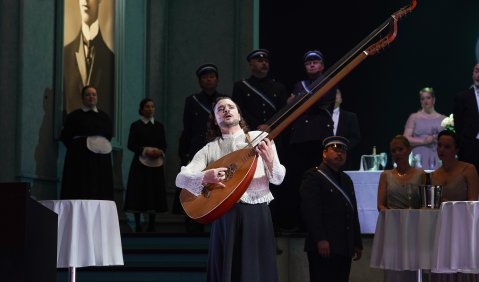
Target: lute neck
{"type": "Point", "coordinates": [283, 118]}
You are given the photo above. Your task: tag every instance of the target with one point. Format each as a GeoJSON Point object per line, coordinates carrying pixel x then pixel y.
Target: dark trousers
{"type": "Point", "coordinates": [335, 268]}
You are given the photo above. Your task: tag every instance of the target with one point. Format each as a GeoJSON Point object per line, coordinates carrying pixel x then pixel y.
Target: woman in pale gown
{"type": "Point", "coordinates": [460, 182]}
{"type": "Point", "coordinates": [422, 128]}
{"type": "Point", "coordinates": [397, 189]}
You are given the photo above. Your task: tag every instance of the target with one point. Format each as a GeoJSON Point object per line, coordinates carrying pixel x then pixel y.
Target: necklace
{"type": "Point", "coordinates": [401, 174]}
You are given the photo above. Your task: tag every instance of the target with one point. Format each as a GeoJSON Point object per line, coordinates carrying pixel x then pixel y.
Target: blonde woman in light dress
{"type": "Point", "coordinates": [398, 189]}
{"type": "Point", "coordinates": [422, 128]}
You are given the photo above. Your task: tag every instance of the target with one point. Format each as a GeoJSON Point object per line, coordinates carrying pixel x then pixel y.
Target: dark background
{"type": "Point", "coordinates": [435, 47]}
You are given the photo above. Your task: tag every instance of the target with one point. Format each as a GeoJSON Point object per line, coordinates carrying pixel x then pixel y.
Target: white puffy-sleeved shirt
{"type": "Point", "coordinates": [191, 175]}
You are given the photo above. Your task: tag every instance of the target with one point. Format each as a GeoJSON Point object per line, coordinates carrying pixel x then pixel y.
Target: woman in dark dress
{"type": "Point", "coordinates": [146, 191]}
{"type": "Point", "coordinates": [87, 132]}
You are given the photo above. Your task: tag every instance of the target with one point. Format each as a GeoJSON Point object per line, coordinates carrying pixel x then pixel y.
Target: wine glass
{"type": "Point", "coordinates": [432, 162]}
{"type": "Point", "coordinates": [384, 160]}
{"type": "Point", "coordinates": [418, 160]}
{"type": "Point", "coordinates": [411, 159]}
{"type": "Point", "coordinates": [409, 194]}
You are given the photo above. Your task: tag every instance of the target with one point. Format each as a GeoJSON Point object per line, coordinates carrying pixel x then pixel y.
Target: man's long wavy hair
{"type": "Point", "coordinates": [214, 129]}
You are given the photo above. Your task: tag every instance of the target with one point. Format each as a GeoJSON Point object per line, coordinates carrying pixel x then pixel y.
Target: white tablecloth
{"type": "Point", "coordinates": [88, 233]}
{"type": "Point", "coordinates": [457, 238]}
{"type": "Point", "coordinates": [444, 241]}
{"type": "Point", "coordinates": [366, 189]}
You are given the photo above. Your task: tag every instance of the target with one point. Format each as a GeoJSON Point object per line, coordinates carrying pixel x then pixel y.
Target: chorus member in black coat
{"type": "Point", "coordinates": [87, 172]}
{"type": "Point", "coordinates": [329, 210]}
{"type": "Point", "coordinates": [346, 124]}
{"type": "Point", "coordinates": [146, 191]}
{"type": "Point", "coordinates": [310, 129]}
{"type": "Point", "coordinates": [466, 121]}
{"type": "Point", "coordinates": [88, 61]}
{"type": "Point", "coordinates": [197, 111]}
{"type": "Point", "coordinates": [307, 133]}
{"type": "Point", "coordinates": [196, 115]}
{"type": "Point", "coordinates": [259, 96]}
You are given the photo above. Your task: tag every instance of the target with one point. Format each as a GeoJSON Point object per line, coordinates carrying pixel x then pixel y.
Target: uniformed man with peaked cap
{"type": "Point", "coordinates": [195, 119]}
{"type": "Point", "coordinates": [329, 211]}
{"type": "Point", "coordinates": [259, 96]}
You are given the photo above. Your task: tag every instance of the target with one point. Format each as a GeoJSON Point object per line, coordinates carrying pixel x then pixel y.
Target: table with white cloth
{"type": "Point", "coordinates": [88, 233]}
{"type": "Point", "coordinates": [443, 241]}
{"type": "Point", "coordinates": [404, 239]}
{"type": "Point", "coordinates": [457, 238]}
{"type": "Point", "coordinates": [366, 190]}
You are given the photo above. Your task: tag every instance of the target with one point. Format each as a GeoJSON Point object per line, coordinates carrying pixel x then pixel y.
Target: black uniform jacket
{"type": "Point", "coordinates": [195, 120]}
{"type": "Point", "coordinates": [254, 109]}
{"type": "Point", "coordinates": [327, 214]}
{"type": "Point", "coordinates": [316, 123]}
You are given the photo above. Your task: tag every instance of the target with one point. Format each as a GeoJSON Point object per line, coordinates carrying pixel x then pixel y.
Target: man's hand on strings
{"type": "Point", "coordinates": [265, 150]}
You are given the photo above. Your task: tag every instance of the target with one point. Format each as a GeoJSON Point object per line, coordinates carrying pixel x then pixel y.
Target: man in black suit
{"type": "Point", "coordinates": [329, 211]}
{"type": "Point", "coordinates": [466, 121]}
{"type": "Point", "coordinates": [88, 61]}
{"type": "Point", "coordinates": [346, 124]}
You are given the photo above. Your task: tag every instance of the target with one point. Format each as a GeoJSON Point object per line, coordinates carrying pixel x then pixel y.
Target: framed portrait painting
{"type": "Point", "coordinates": [89, 49]}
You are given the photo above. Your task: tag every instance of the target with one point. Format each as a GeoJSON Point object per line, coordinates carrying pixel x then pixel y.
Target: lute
{"type": "Point", "coordinates": [216, 200]}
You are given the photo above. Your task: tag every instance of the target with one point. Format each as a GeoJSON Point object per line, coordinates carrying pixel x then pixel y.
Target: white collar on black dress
{"type": "Point", "coordinates": [146, 120]}
{"type": "Point", "coordinates": [85, 109]}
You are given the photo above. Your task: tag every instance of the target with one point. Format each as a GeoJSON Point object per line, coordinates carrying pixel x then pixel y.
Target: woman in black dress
{"type": "Point", "coordinates": [146, 191]}
{"type": "Point", "coordinates": [87, 172]}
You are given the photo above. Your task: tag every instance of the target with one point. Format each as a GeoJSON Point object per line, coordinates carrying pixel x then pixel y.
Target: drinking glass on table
{"type": "Point", "coordinates": [409, 187]}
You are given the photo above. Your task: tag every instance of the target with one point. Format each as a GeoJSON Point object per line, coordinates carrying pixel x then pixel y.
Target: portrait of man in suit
{"type": "Point", "coordinates": [88, 57]}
